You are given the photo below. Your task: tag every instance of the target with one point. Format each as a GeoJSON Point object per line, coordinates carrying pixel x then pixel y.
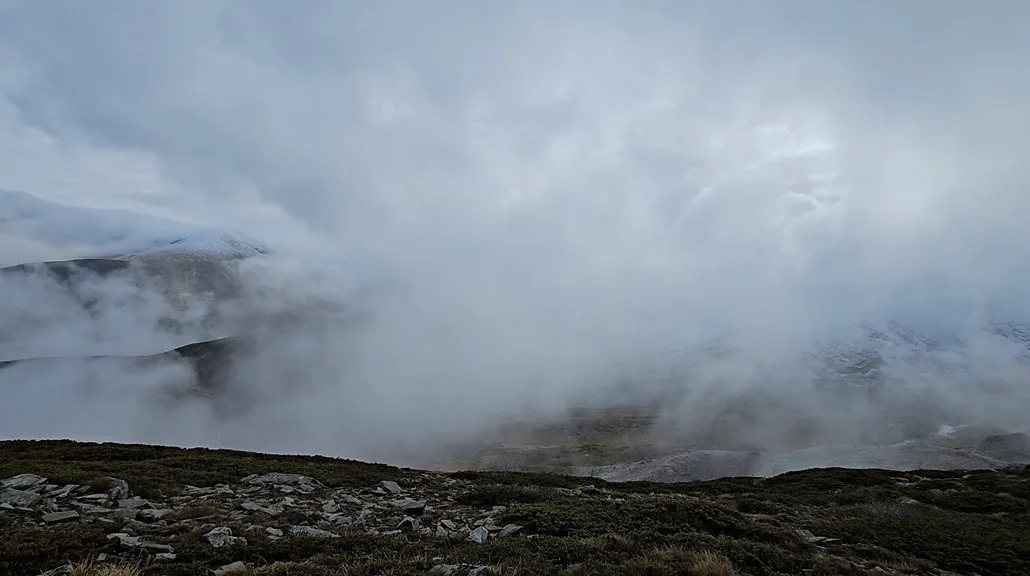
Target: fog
{"type": "Point", "coordinates": [524, 204]}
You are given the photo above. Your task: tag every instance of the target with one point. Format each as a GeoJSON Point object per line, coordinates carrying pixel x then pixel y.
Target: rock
{"type": "Point", "coordinates": [408, 524]}
{"type": "Point", "coordinates": [310, 532]}
{"type": "Point", "coordinates": [281, 479]}
{"type": "Point", "coordinates": [448, 524]}
{"type": "Point", "coordinates": [222, 536]}
{"type": "Point", "coordinates": [58, 517]}
{"type": "Point", "coordinates": [119, 489]}
{"type": "Point", "coordinates": [409, 506]}
{"type": "Point", "coordinates": [152, 514]}
{"type": "Point", "coordinates": [479, 535]}
{"type": "Point", "coordinates": [23, 482]}
{"type": "Point", "coordinates": [273, 510]}
{"type": "Point", "coordinates": [234, 568]}
{"type": "Point", "coordinates": [330, 507]}
{"type": "Point", "coordinates": [133, 503]}
{"type": "Point", "coordinates": [274, 532]}
{"type": "Point", "coordinates": [817, 540]}
{"type": "Point", "coordinates": [135, 543]}
{"type": "Point", "coordinates": [19, 498]}
{"type": "Point", "coordinates": [347, 498]}
{"type": "Point", "coordinates": [391, 487]}
{"type": "Point", "coordinates": [459, 570]}
{"type": "Point", "coordinates": [87, 508]}
{"type": "Point", "coordinates": [508, 530]}
{"type": "Point", "coordinates": [125, 513]}
{"type": "Point", "coordinates": [165, 557]}
{"type": "Point", "coordinates": [62, 492]}
{"type": "Point", "coordinates": [65, 570]}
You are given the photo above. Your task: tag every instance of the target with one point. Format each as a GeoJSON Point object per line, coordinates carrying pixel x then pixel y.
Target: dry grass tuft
{"type": "Point", "coordinates": [93, 568]}
{"type": "Point", "coordinates": [680, 561]}
{"type": "Point", "coordinates": [708, 563]}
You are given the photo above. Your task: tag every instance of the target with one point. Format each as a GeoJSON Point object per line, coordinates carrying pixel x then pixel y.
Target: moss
{"type": "Point", "coordinates": [30, 550]}
{"type": "Point", "coordinates": [153, 470]}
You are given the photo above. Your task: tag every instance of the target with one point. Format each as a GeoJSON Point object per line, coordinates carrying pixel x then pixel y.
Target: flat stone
{"type": "Point", "coordinates": [222, 536]}
{"type": "Point", "coordinates": [311, 532]}
{"type": "Point", "coordinates": [153, 514]}
{"type": "Point", "coordinates": [279, 478]}
{"type": "Point", "coordinates": [58, 517]}
{"type": "Point", "coordinates": [234, 568]}
{"type": "Point", "coordinates": [62, 492]}
{"type": "Point", "coordinates": [273, 510]}
{"type": "Point", "coordinates": [391, 487]}
{"type": "Point", "coordinates": [23, 481]}
{"type": "Point", "coordinates": [19, 498]}
{"type": "Point", "coordinates": [508, 530]}
{"type": "Point", "coordinates": [410, 506]}
{"type": "Point", "coordinates": [133, 503]}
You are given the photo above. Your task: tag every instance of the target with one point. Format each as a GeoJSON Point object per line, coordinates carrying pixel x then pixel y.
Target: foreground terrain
{"type": "Point", "coordinates": [65, 505]}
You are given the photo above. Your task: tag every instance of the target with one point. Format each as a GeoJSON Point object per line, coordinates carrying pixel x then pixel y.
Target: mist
{"type": "Point", "coordinates": [515, 207]}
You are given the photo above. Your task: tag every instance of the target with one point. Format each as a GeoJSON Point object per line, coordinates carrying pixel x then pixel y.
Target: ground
{"type": "Point", "coordinates": [183, 512]}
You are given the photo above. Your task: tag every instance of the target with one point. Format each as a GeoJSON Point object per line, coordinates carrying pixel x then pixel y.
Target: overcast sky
{"type": "Point", "coordinates": [589, 170]}
{"type": "Point", "coordinates": [801, 156]}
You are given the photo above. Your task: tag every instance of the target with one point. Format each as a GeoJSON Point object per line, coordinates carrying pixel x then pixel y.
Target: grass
{"type": "Point", "coordinates": [956, 521]}
{"type": "Point", "coordinates": [94, 568]}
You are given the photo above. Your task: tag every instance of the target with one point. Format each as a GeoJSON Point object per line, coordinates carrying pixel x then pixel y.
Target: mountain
{"type": "Point", "coordinates": [82, 232]}
{"type": "Point", "coordinates": [104, 270]}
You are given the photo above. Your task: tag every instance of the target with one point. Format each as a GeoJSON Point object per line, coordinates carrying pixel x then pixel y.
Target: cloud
{"type": "Point", "coordinates": [551, 190]}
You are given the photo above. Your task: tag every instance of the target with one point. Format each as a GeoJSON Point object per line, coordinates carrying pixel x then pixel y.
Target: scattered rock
{"type": "Point", "coordinates": [23, 482]}
{"type": "Point", "coordinates": [119, 489]}
{"type": "Point", "coordinates": [391, 487]}
{"type": "Point", "coordinates": [133, 503]}
{"type": "Point", "coordinates": [508, 530]}
{"type": "Point", "coordinates": [817, 540]}
{"type": "Point", "coordinates": [409, 506]}
{"type": "Point", "coordinates": [152, 514]}
{"type": "Point", "coordinates": [304, 483]}
{"type": "Point", "coordinates": [136, 543]}
{"type": "Point", "coordinates": [408, 524]}
{"type": "Point", "coordinates": [19, 498]}
{"type": "Point", "coordinates": [479, 535]}
{"type": "Point", "coordinates": [58, 517]}
{"type": "Point", "coordinates": [311, 532]}
{"type": "Point", "coordinates": [222, 536]}
{"type": "Point", "coordinates": [234, 568]}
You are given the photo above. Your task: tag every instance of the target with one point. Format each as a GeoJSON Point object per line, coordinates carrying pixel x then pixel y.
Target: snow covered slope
{"type": "Point", "coordinates": [82, 232]}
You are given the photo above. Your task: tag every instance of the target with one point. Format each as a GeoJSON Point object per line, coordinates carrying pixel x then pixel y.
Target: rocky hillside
{"type": "Point", "coordinates": [81, 509]}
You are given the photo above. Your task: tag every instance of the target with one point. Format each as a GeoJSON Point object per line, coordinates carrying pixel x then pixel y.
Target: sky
{"type": "Point", "coordinates": [556, 185]}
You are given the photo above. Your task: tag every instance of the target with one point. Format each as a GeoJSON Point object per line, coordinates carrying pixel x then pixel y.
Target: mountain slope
{"type": "Point", "coordinates": [188, 512]}
{"type": "Point", "coordinates": [114, 234]}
